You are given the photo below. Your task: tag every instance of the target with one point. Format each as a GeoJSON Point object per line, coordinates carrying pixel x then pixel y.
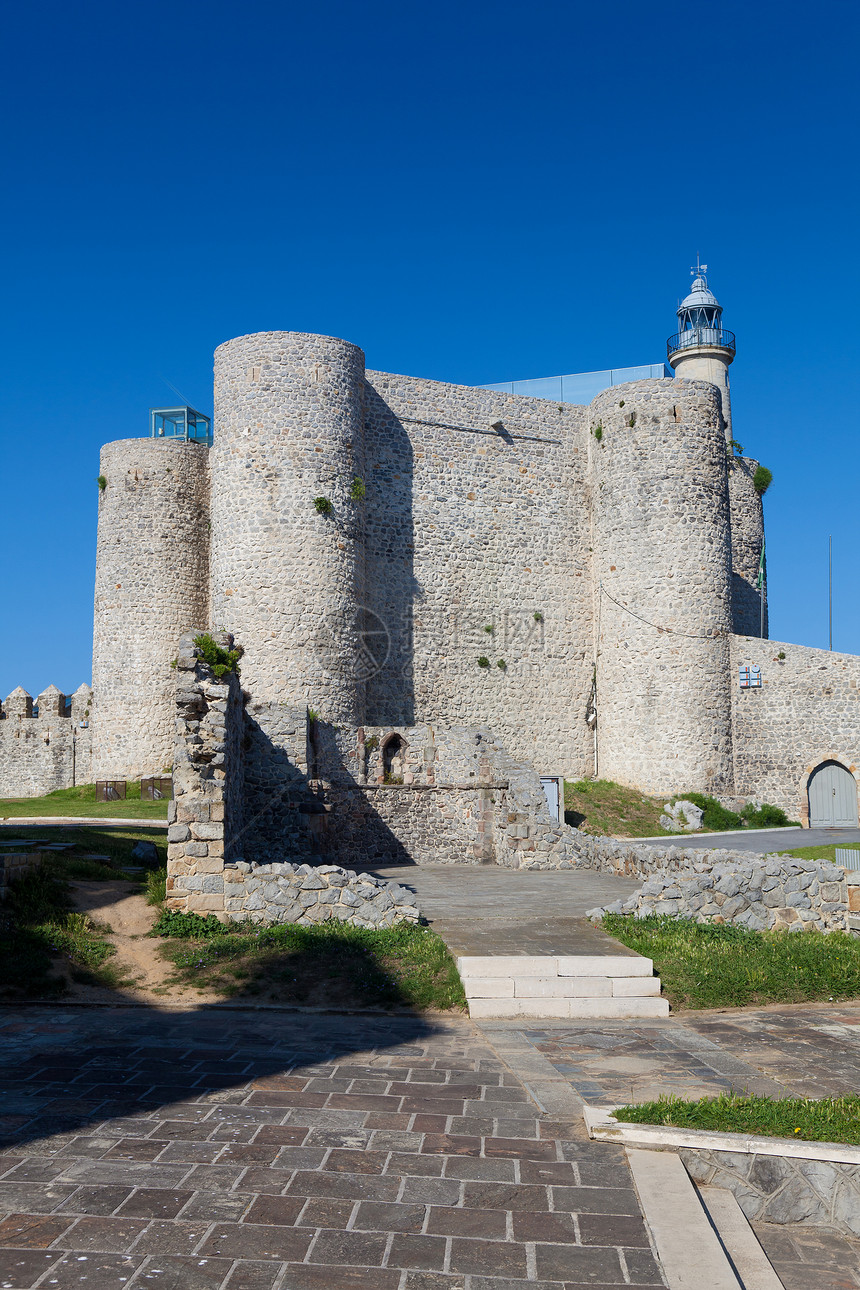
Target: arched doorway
{"type": "Point", "coordinates": [393, 758]}
{"type": "Point", "coordinates": [832, 797]}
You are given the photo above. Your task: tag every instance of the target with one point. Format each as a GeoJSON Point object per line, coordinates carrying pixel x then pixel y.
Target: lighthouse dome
{"type": "Point", "coordinates": [700, 294]}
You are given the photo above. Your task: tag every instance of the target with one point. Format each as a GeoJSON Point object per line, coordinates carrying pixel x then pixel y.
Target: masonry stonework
{"type": "Point", "coordinates": [152, 584]}
{"type": "Point", "coordinates": [432, 561]}
{"type": "Point", "coordinates": [46, 745]}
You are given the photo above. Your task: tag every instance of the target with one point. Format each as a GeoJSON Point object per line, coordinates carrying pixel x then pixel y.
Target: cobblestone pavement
{"type": "Point", "coordinates": [267, 1150]}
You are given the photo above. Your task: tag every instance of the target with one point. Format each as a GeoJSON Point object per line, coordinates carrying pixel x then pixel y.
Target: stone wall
{"type": "Point", "coordinates": [287, 579]}
{"type": "Point", "coordinates": [806, 711]}
{"type": "Point", "coordinates": [52, 750]}
{"type": "Point", "coordinates": [747, 516]}
{"type": "Point", "coordinates": [478, 537]}
{"type": "Point", "coordinates": [206, 873]}
{"type": "Point", "coordinates": [662, 550]}
{"type": "Point", "coordinates": [152, 581]}
{"type": "Point", "coordinates": [14, 864]}
{"type": "Point", "coordinates": [783, 1189]}
{"type": "Point", "coordinates": [763, 893]}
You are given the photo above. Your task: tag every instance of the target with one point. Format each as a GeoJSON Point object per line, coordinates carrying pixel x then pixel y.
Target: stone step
{"type": "Point", "coordinates": [690, 1252]}
{"type": "Point", "coordinates": [554, 985]}
{"type": "Point", "coordinates": [751, 1264]}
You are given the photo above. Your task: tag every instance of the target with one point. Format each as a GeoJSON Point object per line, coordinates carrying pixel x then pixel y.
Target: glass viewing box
{"type": "Point", "coordinates": [180, 423]}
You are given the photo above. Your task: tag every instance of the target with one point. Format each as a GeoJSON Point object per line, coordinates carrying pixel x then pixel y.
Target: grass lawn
{"type": "Point", "coordinates": [608, 809]}
{"type": "Point", "coordinates": [333, 965]}
{"type": "Point", "coordinates": [602, 807]}
{"type": "Point", "coordinates": [116, 843]}
{"type": "Point", "coordinates": [829, 1119]}
{"type": "Point", "coordinates": [818, 853]}
{"type": "Point", "coordinates": [708, 966]}
{"type": "Point", "coordinates": [82, 801]}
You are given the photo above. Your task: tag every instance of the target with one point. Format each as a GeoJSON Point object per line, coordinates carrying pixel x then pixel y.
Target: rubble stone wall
{"type": "Point", "coordinates": [39, 754]}
{"type": "Point", "coordinates": [806, 711]}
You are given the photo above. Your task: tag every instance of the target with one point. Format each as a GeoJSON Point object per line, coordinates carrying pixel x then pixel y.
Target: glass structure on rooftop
{"type": "Point", "coordinates": [180, 423]}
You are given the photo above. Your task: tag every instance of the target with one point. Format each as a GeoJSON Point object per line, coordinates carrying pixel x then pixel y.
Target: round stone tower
{"type": "Point", "coordinates": [701, 349]}
{"type": "Point", "coordinates": [151, 586]}
{"type": "Point", "coordinates": [287, 557]}
{"type": "Point", "coordinates": [662, 569]}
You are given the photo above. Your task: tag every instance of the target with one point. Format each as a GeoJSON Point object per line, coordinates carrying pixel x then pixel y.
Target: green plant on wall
{"type": "Point", "coordinates": [102, 482]}
{"type": "Point", "coordinates": [736, 448]}
{"type": "Point", "coordinates": [371, 744]}
{"type": "Point", "coordinates": [358, 489]}
{"type": "Point", "coordinates": [483, 661]}
{"type": "Point", "coordinates": [762, 480]}
{"type": "Point", "coordinates": [323, 506]}
{"type": "Point", "coordinates": [489, 629]}
{"type": "Point", "coordinates": [631, 420]}
{"type": "Point", "coordinates": [598, 431]}
{"type": "Point", "coordinates": [502, 665]}
{"type": "Point", "coordinates": [621, 404]}
{"type": "Point", "coordinates": [538, 616]}
{"type": "Point", "coordinates": [219, 659]}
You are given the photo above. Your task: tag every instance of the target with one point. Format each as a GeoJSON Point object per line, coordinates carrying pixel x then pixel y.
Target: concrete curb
{"type": "Point", "coordinates": [76, 822]}
{"type": "Point", "coordinates": [604, 1128]}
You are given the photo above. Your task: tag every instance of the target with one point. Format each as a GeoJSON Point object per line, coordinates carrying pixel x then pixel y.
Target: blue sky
{"type": "Point", "coordinates": [471, 192]}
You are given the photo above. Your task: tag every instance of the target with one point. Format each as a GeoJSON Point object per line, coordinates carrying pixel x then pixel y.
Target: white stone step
{"type": "Point", "coordinates": [739, 1240]}
{"type": "Point", "coordinates": [553, 985]}
{"type": "Point", "coordinates": [688, 1248]}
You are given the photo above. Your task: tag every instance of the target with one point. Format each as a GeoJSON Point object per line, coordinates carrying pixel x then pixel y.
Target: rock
{"type": "Point", "coordinates": [147, 852]}
{"type": "Point", "coordinates": [681, 817]}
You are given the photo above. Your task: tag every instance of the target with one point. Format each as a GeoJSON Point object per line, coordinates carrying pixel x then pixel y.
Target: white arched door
{"type": "Point", "coordinates": [832, 797]}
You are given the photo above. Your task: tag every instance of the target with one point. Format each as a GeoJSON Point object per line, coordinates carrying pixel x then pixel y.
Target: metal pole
{"type": "Point", "coordinates": [761, 606]}
{"type": "Point", "coordinates": [830, 588]}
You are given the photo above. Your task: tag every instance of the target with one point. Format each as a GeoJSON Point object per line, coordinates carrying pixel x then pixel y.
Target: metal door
{"type": "Point", "coordinates": [832, 797]}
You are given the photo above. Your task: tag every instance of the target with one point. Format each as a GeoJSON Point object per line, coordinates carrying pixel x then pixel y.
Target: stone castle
{"type": "Point", "coordinates": [415, 559]}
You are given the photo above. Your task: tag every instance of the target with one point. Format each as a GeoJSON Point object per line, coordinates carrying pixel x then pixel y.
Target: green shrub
{"type": "Point", "coordinates": [102, 482]}
{"type": "Point", "coordinates": [220, 660]}
{"type": "Point", "coordinates": [764, 816]}
{"type": "Point", "coordinates": [483, 661]}
{"type": "Point", "coordinates": [502, 665]}
{"type": "Point", "coordinates": [762, 480]}
{"type": "Point", "coordinates": [538, 616]}
{"type": "Point", "coordinates": [598, 432]}
{"type": "Point", "coordinates": [716, 818]}
{"type": "Point", "coordinates": [358, 489]}
{"type": "Point", "coordinates": [323, 506]}
{"type": "Point", "coordinates": [189, 926]}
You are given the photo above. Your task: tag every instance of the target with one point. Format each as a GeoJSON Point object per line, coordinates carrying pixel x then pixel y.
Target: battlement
{"type": "Point", "coordinates": [50, 705]}
{"type": "Point", "coordinates": [46, 742]}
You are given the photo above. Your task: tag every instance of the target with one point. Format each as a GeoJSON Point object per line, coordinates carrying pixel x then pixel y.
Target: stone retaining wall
{"type": "Point", "coordinates": [41, 753]}
{"type": "Point", "coordinates": [763, 893]}
{"type": "Point", "coordinates": [779, 1189]}
{"type": "Point", "coordinates": [285, 893]}
{"type": "Point", "coordinates": [15, 865]}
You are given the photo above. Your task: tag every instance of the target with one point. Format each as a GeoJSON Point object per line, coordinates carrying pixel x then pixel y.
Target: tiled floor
{"type": "Point", "coordinates": [264, 1150]}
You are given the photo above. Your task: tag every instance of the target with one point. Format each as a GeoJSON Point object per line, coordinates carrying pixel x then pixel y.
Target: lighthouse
{"type": "Point", "coordinates": [701, 349]}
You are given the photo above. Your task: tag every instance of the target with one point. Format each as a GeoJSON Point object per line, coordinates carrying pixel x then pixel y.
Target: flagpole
{"type": "Point", "coordinates": [830, 590]}
{"type": "Point", "coordinates": [760, 584]}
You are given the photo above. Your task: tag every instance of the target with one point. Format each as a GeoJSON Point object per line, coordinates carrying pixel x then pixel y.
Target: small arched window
{"type": "Point", "coordinates": [393, 758]}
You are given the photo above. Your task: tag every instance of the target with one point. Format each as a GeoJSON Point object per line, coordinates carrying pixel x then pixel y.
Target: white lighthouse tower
{"type": "Point", "coordinates": [701, 349]}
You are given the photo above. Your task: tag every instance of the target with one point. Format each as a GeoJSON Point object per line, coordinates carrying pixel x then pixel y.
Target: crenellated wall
{"type": "Point", "coordinates": [50, 750]}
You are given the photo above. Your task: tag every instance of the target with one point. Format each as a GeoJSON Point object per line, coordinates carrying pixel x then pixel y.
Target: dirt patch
{"type": "Point", "coordinates": [120, 905]}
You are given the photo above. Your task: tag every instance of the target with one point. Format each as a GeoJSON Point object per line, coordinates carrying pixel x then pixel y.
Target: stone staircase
{"type": "Point", "coordinates": [561, 985]}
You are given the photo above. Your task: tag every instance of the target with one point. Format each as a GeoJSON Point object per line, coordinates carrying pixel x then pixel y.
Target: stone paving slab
{"type": "Point", "coordinates": [273, 1151]}
{"type": "Point", "coordinates": [484, 909]}
{"type": "Point", "coordinates": [791, 1050]}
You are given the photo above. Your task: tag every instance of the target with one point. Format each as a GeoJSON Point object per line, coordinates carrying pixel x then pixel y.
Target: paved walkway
{"type": "Point", "coordinates": [792, 1050]}
{"type": "Point", "coordinates": [483, 909]}
{"type": "Point", "coordinates": [264, 1150]}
